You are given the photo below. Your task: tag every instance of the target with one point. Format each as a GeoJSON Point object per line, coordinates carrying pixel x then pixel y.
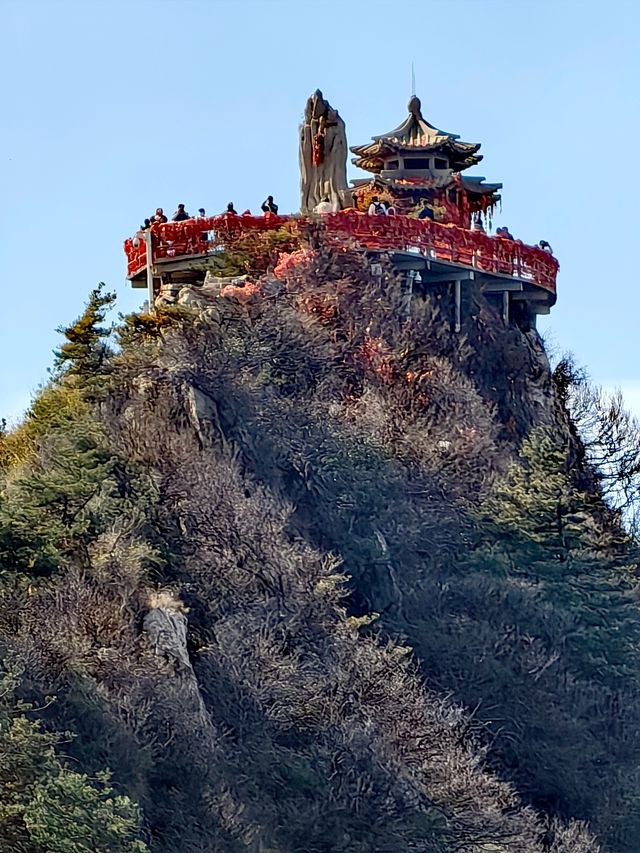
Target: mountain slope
{"type": "Point", "coordinates": [176, 523]}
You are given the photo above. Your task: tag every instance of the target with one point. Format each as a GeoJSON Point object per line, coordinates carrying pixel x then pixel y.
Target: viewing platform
{"type": "Point", "coordinates": [417, 207]}
{"type": "Point", "coordinates": [437, 251]}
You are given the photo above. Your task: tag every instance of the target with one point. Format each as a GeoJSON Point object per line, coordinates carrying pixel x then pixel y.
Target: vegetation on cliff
{"type": "Point", "coordinates": [297, 569]}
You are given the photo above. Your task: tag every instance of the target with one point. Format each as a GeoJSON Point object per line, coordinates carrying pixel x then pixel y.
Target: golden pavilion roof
{"type": "Point", "coordinates": [416, 136]}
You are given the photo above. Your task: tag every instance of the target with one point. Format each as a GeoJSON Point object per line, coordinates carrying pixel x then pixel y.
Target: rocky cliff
{"type": "Point", "coordinates": [312, 574]}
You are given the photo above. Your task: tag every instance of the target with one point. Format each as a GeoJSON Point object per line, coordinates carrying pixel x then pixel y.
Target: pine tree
{"type": "Point", "coordinates": [86, 350]}
{"type": "Point", "coordinates": [547, 539]}
{"type": "Point", "coordinates": [53, 506]}
{"type": "Point", "coordinates": [539, 633]}
{"type": "Point", "coordinates": [44, 806]}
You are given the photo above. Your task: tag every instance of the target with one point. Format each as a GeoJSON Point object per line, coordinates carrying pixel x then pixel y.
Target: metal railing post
{"type": "Point", "coordinates": [150, 295]}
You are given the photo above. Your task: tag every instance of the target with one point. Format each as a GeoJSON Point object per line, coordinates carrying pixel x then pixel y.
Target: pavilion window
{"type": "Point", "coordinates": [415, 163]}
{"type": "Point", "coordinates": [441, 163]}
{"type": "Point", "coordinates": [392, 165]}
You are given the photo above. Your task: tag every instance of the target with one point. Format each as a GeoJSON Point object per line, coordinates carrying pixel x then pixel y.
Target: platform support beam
{"type": "Point", "coordinates": [461, 275]}
{"type": "Point", "coordinates": [458, 298]}
{"type": "Point", "coordinates": [500, 286]}
{"type": "Point", "coordinates": [408, 292]}
{"type": "Point", "coordinates": [505, 307]}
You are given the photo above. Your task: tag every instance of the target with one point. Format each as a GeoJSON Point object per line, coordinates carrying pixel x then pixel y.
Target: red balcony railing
{"type": "Point", "coordinates": [436, 240]}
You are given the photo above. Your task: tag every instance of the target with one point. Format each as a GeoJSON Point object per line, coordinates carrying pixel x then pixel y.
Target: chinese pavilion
{"type": "Point", "coordinates": [416, 164]}
{"type": "Point", "coordinates": [433, 241]}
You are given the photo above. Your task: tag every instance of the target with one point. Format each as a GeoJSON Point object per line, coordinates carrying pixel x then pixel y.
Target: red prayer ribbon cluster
{"type": "Point", "coordinates": [437, 240]}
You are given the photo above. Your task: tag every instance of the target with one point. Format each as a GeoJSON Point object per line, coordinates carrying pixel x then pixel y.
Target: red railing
{"type": "Point", "coordinates": [433, 239]}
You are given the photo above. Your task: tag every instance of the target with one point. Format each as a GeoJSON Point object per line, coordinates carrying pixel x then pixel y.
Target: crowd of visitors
{"type": "Point", "coordinates": [158, 217]}
{"type": "Point", "coordinates": [268, 206]}
{"type": "Point", "coordinates": [380, 208]}
{"type": "Point", "coordinates": [377, 207]}
{"type": "Point", "coordinates": [504, 232]}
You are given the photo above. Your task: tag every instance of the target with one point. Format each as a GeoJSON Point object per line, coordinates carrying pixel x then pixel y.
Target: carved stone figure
{"type": "Point", "coordinates": [323, 155]}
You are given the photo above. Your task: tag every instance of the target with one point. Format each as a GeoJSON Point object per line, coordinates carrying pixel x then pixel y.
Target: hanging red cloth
{"type": "Point", "coordinates": [318, 148]}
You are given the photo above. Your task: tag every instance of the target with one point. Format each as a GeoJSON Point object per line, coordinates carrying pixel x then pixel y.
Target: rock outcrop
{"type": "Point", "coordinates": [323, 155]}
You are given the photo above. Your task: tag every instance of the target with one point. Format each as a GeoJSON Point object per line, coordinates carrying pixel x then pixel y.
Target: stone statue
{"type": "Point", "coordinates": [323, 155]}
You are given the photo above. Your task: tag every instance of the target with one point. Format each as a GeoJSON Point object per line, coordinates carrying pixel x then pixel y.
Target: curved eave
{"type": "Point", "coordinates": [368, 164]}
{"type": "Point", "coordinates": [382, 148]}
{"type": "Point", "coordinates": [433, 183]}
{"type": "Point", "coordinates": [375, 164]}
{"type": "Point", "coordinates": [477, 185]}
{"type": "Point", "coordinates": [461, 155]}
{"type": "Point", "coordinates": [413, 129]}
{"type": "Point", "coordinates": [466, 163]}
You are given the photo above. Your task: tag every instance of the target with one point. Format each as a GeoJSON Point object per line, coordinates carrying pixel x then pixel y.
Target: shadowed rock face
{"type": "Point", "coordinates": [167, 631]}
{"type": "Point", "coordinates": [323, 155]}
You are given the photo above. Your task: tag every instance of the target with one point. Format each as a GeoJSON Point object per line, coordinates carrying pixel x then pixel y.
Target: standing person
{"type": "Point", "coordinates": [545, 247]}
{"type": "Point", "coordinates": [231, 209]}
{"type": "Point", "coordinates": [269, 206]}
{"type": "Point", "coordinates": [180, 215]}
{"type": "Point", "coordinates": [204, 235]}
{"type": "Point", "coordinates": [159, 215]}
{"type": "Point", "coordinates": [375, 208]}
{"type": "Point", "coordinates": [146, 225]}
{"type": "Point", "coordinates": [425, 211]}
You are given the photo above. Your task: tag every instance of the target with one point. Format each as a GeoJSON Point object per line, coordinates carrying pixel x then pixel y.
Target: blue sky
{"type": "Point", "coordinates": [113, 108]}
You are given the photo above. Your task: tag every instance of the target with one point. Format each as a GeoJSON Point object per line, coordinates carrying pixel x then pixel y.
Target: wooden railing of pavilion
{"type": "Point", "coordinates": [436, 240]}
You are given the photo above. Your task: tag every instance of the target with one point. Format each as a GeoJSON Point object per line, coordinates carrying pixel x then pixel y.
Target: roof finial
{"type": "Point", "coordinates": [415, 107]}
